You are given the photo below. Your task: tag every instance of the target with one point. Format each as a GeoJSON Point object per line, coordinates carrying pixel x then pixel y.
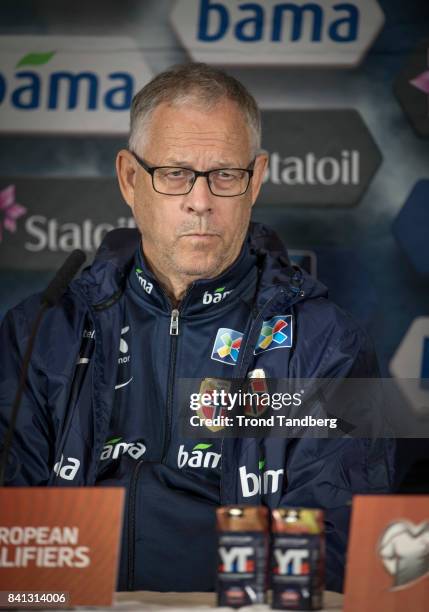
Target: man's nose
{"type": "Point", "coordinates": [200, 198]}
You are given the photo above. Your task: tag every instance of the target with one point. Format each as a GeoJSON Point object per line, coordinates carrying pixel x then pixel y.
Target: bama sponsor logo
{"type": "Point", "coordinates": [67, 468]}
{"type": "Point", "coordinates": [144, 284]}
{"type": "Point", "coordinates": [317, 157]}
{"type": "Point", "coordinates": [266, 482]}
{"type": "Point", "coordinates": [116, 447]}
{"type": "Point", "coordinates": [217, 296]}
{"type": "Point", "coordinates": [199, 456]}
{"type": "Point", "coordinates": [299, 33]}
{"type": "Point", "coordinates": [68, 84]}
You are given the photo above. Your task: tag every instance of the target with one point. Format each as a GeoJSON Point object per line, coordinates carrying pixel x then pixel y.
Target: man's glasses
{"type": "Point", "coordinates": [223, 182]}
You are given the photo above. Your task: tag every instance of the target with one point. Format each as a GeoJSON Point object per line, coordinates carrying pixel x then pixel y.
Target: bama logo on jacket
{"type": "Point", "coordinates": [200, 456]}
{"type": "Point", "coordinates": [268, 481]}
{"type": "Point", "coordinates": [67, 468]}
{"type": "Point", "coordinates": [114, 448]}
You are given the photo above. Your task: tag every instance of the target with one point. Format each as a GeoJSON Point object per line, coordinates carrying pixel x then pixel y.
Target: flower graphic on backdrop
{"type": "Point", "coordinates": [10, 210]}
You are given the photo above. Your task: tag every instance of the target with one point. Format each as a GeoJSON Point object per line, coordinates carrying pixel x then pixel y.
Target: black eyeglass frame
{"type": "Point", "coordinates": [151, 170]}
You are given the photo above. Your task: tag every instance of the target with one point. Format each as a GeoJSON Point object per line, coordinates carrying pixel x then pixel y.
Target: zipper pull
{"type": "Point", "coordinates": [174, 323]}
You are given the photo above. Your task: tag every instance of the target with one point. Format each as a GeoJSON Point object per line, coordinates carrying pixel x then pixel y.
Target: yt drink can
{"type": "Point", "coordinates": [297, 559]}
{"type": "Point", "coordinates": [242, 555]}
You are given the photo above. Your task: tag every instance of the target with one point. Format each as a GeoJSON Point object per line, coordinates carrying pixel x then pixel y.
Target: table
{"type": "Point", "coordinates": [197, 602]}
{"type": "Point", "coordinates": [145, 601]}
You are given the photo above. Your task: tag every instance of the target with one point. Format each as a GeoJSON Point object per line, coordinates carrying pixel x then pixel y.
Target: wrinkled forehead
{"type": "Point", "coordinates": [186, 127]}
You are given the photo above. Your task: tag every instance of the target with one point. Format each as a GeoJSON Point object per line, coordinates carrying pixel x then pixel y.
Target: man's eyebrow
{"type": "Point", "coordinates": [172, 161]}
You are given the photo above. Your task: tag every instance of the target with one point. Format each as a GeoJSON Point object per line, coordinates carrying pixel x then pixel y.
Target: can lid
{"type": "Point", "coordinates": [298, 520]}
{"type": "Point", "coordinates": [242, 518]}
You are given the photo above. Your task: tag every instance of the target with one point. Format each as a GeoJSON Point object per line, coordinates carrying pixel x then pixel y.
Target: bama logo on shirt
{"type": "Point", "coordinates": [67, 468]}
{"type": "Point", "coordinates": [217, 296]}
{"type": "Point", "coordinates": [266, 482]}
{"type": "Point", "coordinates": [144, 284]}
{"type": "Point", "coordinates": [199, 456]}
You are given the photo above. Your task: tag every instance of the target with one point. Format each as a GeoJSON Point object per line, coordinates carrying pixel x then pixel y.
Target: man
{"type": "Point", "coordinates": [188, 298]}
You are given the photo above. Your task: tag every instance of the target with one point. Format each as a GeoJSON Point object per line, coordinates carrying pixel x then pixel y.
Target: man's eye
{"type": "Point", "coordinates": [225, 175]}
{"type": "Point", "coordinates": [176, 174]}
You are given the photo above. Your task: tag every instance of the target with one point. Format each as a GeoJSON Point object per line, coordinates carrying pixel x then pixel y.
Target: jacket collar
{"type": "Point", "coordinates": [104, 281]}
{"type": "Point", "coordinates": [238, 282]}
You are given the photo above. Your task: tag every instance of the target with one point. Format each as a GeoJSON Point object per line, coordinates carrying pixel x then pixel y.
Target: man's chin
{"type": "Point", "coordinates": [200, 269]}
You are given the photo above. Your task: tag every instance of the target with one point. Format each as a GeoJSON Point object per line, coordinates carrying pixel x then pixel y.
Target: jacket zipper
{"type": "Point", "coordinates": [132, 525]}
{"type": "Point", "coordinates": [174, 333]}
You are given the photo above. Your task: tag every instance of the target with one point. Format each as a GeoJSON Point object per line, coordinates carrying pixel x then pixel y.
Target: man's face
{"type": "Point", "coordinates": [197, 235]}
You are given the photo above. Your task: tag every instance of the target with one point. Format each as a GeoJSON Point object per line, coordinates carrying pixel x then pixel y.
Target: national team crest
{"type": "Point", "coordinates": [208, 386]}
{"type": "Point", "coordinates": [275, 333]}
{"type": "Point", "coordinates": [257, 386]}
{"type": "Point", "coordinates": [227, 346]}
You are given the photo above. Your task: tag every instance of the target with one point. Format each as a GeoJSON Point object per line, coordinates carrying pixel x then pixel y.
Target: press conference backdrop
{"type": "Point", "coordinates": [344, 89]}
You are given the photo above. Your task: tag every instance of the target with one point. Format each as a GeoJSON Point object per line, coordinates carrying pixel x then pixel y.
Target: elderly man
{"type": "Point", "coordinates": [186, 296]}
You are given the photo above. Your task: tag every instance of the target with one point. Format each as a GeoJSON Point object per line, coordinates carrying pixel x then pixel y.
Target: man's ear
{"type": "Point", "coordinates": [126, 171]}
{"type": "Point", "coordinates": [259, 169]}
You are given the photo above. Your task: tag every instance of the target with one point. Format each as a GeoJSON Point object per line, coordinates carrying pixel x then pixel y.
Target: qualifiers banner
{"type": "Point", "coordinates": [69, 84]}
{"type": "Point", "coordinates": [42, 220]}
{"type": "Point", "coordinates": [317, 157]}
{"type": "Point", "coordinates": [387, 556]}
{"type": "Point", "coordinates": [50, 543]}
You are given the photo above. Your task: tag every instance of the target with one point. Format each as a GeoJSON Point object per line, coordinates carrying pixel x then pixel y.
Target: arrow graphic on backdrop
{"type": "Point", "coordinates": [421, 82]}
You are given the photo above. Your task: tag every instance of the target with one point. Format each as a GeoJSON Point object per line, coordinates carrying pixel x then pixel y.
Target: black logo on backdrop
{"type": "Point", "coordinates": [320, 157]}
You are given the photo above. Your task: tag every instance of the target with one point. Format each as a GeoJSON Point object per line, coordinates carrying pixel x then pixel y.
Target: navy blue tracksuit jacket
{"type": "Point", "coordinates": [100, 407]}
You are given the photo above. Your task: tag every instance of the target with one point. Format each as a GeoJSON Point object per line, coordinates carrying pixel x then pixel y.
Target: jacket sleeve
{"type": "Point", "coordinates": [326, 473]}
{"type": "Point", "coordinates": [31, 453]}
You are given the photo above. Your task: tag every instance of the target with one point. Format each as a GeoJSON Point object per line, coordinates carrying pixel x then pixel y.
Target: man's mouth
{"type": "Point", "coordinates": [200, 235]}
{"type": "Point", "coordinates": [197, 233]}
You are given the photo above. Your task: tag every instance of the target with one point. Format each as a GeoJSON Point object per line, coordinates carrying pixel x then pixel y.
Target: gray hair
{"type": "Point", "coordinates": [193, 83]}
